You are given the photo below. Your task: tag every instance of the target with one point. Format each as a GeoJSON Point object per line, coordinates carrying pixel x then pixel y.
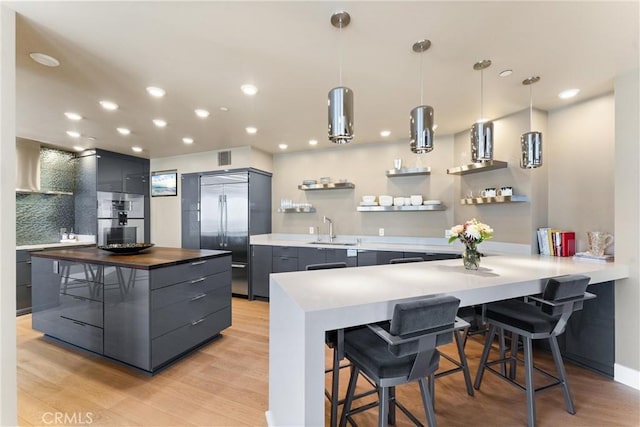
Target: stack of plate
{"type": "Point", "coordinates": [432, 202]}
{"type": "Point", "coordinates": [309, 182]}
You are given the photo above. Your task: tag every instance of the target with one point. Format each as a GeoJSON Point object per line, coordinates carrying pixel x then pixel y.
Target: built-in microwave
{"type": "Point", "coordinates": [120, 218]}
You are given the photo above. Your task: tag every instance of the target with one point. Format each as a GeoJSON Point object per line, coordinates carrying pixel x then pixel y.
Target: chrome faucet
{"type": "Point", "coordinates": [328, 220]}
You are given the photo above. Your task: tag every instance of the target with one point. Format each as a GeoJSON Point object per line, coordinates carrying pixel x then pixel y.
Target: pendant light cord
{"type": "Point", "coordinates": [340, 55]}
{"type": "Point", "coordinates": [421, 80]}
{"type": "Point", "coordinates": [530, 108]}
{"type": "Point", "coordinates": [481, 95]}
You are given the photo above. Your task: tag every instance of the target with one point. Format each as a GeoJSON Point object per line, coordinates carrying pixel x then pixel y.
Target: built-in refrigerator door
{"type": "Point", "coordinates": [211, 216]}
{"type": "Point", "coordinates": [236, 221]}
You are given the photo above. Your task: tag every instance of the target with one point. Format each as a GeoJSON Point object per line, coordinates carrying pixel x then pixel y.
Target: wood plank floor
{"type": "Point", "coordinates": [226, 384]}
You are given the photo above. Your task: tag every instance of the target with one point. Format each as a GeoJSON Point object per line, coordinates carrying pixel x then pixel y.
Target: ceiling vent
{"type": "Point", "coordinates": [224, 158]}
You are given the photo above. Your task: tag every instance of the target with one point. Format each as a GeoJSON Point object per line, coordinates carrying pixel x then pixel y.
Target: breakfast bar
{"type": "Point", "coordinates": [303, 305]}
{"type": "Point", "coordinates": [144, 310]}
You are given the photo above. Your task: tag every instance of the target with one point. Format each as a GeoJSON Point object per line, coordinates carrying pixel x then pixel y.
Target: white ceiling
{"type": "Point", "coordinates": [202, 52]}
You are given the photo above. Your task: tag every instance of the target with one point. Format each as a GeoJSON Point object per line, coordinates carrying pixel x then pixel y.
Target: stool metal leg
{"type": "Point", "coordinates": [514, 354]}
{"type": "Point", "coordinates": [427, 402]}
{"type": "Point", "coordinates": [351, 389]}
{"type": "Point", "coordinates": [391, 418]}
{"type": "Point", "coordinates": [460, 340]}
{"type": "Point", "coordinates": [335, 379]}
{"type": "Point", "coordinates": [383, 406]}
{"type": "Point", "coordinates": [530, 388]}
{"type": "Point", "coordinates": [485, 356]}
{"type": "Point", "coordinates": [501, 346]}
{"type": "Point", "coordinates": [557, 358]}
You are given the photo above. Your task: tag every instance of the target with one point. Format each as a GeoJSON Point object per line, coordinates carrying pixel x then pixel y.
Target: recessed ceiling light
{"type": "Point", "coordinates": [43, 59]}
{"type": "Point", "coordinates": [78, 148]}
{"type": "Point", "coordinates": [225, 109]}
{"type": "Point", "coordinates": [160, 122]}
{"type": "Point", "coordinates": [569, 93]}
{"type": "Point", "coordinates": [251, 130]}
{"type": "Point", "coordinates": [283, 146]}
{"type": "Point", "coordinates": [73, 116]}
{"type": "Point", "coordinates": [137, 149]}
{"type": "Point", "coordinates": [73, 134]}
{"type": "Point", "coordinates": [156, 92]}
{"type": "Point", "coordinates": [202, 113]}
{"type": "Point", "coordinates": [385, 133]}
{"type": "Point", "coordinates": [249, 89]}
{"type": "Point", "coordinates": [505, 73]}
{"type": "Point", "coordinates": [123, 131]}
{"type": "Point", "coordinates": [187, 140]}
{"type": "Point", "coordinates": [313, 142]}
{"type": "Point", "coordinates": [109, 105]}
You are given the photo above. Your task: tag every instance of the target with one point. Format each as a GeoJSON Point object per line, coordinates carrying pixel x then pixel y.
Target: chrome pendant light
{"type": "Point", "coordinates": [531, 142]}
{"type": "Point", "coordinates": [482, 131]}
{"type": "Point", "coordinates": [340, 98]}
{"type": "Point", "coordinates": [421, 118]}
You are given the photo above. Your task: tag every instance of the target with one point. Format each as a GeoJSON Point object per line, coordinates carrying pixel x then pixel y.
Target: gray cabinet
{"type": "Point", "coordinates": [122, 174]}
{"type": "Point", "coordinates": [308, 256]}
{"type": "Point", "coordinates": [143, 318]}
{"type": "Point", "coordinates": [431, 256]}
{"type": "Point", "coordinates": [23, 282]}
{"type": "Point", "coordinates": [190, 206]}
{"type": "Point", "coordinates": [261, 260]}
{"type": "Point", "coordinates": [377, 257]}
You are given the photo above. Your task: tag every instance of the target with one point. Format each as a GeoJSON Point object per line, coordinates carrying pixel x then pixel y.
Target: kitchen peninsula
{"type": "Point", "coordinates": [145, 309]}
{"type": "Point", "coordinates": [303, 305]}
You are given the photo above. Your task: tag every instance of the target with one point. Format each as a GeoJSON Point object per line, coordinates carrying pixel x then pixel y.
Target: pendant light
{"type": "Point", "coordinates": [340, 98]}
{"type": "Point", "coordinates": [531, 142]}
{"type": "Point", "coordinates": [421, 118]}
{"type": "Point", "coordinates": [482, 131]}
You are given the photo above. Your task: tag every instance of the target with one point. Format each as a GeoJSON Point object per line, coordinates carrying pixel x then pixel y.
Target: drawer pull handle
{"type": "Point", "coordinates": [196, 322]}
{"type": "Point", "coordinates": [198, 263]}
{"type": "Point", "coordinates": [79, 323]}
{"type": "Point", "coordinates": [29, 286]}
{"type": "Point", "coordinates": [198, 280]}
{"type": "Point", "coordinates": [28, 262]}
{"type": "Point", "coordinates": [198, 297]}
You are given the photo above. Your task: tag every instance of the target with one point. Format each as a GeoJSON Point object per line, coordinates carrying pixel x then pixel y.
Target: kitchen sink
{"type": "Point", "coordinates": [333, 243]}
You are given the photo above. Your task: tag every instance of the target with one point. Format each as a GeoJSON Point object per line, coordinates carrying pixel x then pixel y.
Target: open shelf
{"type": "Point", "coordinates": [477, 167]}
{"type": "Point", "coordinates": [392, 173]}
{"type": "Point", "coordinates": [401, 208]}
{"type": "Point", "coordinates": [330, 186]}
{"type": "Point", "coordinates": [296, 210]}
{"type": "Point", "coordinates": [490, 200]}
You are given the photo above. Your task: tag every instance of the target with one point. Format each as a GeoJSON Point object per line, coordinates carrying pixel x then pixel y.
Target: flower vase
{"type": "Point", "coordinates": [471, 257]}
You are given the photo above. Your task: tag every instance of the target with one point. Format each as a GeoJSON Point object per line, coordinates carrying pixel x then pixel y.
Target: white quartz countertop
{"type": "Point", "coordinates": [371, 243]}
{"type": "Point", "coordinates": [495, 280]}
{"type": "Point", "coordinates": [89, 241]}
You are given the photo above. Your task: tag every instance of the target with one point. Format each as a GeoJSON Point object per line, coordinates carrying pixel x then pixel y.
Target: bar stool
{"type": "Point", "coordinates": [561, 297]}
{"type": "Point", "coordinates": [401, 351]}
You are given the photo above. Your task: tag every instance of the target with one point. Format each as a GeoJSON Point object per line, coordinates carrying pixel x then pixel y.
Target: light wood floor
{"type": "Point", "coordinates": [226, 384]}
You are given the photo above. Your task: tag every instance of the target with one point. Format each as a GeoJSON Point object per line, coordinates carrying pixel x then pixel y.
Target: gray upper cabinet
{"type": "Point", "coordinates": [190, 204]}
{"type": "Point", "coordinates": [122, 174]}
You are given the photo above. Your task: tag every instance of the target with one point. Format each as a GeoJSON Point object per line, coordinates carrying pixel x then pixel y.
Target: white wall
{"type": "Point", "coordinates": [627, 224]}
{"type": "Point", "coordinates": [581, 168]}
{"type": "Point", "coordinates": [8, 384]}
{"type": "Point", "coordinates": [165, 211]}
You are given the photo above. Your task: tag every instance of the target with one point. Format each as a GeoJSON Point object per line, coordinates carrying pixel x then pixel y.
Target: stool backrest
{"type": "Point", "coordinates": [562, 288]}
{"type": "Point", "coordinates": [326, 266]}
{"type": "Point", "coordinates": [424, 316]}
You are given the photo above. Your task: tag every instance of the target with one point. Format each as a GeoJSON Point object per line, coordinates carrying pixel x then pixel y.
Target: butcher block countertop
{"type": "Point", "coordinates": [154, 257]}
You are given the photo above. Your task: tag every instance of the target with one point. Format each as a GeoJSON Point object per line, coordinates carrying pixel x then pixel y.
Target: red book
{"type": "Point", "coordinates": [568, 243]}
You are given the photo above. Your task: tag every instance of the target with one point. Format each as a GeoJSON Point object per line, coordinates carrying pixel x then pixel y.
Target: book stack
{"type": "Point", "coordinates": [587, 256]}
{"type": "Point", "coordinates": [554, 242]}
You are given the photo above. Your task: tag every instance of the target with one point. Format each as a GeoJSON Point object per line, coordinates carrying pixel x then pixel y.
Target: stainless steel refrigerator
{"type": "Point", "coordinates": [232, 206]}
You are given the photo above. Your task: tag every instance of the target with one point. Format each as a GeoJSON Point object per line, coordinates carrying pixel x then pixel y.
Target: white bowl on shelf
{"type": "Point", "coordinates": [398, 201]}
{"type": "Point", "coordinates": [385, 200]}
{"type": "Point", "coordinates": [368, 199]}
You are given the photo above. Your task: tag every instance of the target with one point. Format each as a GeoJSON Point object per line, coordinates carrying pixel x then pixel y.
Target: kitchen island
{"type": "Point", "coordinates": [304, 305]}
{"type": "Point", "coordinates": [145, 310]}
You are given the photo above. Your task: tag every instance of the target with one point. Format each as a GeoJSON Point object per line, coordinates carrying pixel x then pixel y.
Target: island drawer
{"type": "Point", "coordinates": [77, 333]}
{"type": "Point", "coordinates": [179, 341]}
{"type": "Point", "coordinates": [188, 311]}
{"type": "Point", "coordinates": [165, 276]}
{"type": "Point", "coordinates": [81, 309]}
{"type": "Point", "coordinates": [285, 251]}
{"type": "Point", "coordinates": [188, 290]}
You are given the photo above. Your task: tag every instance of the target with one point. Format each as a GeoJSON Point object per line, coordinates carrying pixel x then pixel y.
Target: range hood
{"type": "Point", "coordinates": [28, 168]}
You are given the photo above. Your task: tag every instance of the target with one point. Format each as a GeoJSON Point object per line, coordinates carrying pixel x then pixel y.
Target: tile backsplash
{"type": "Point", "coordinates": [39, 217]}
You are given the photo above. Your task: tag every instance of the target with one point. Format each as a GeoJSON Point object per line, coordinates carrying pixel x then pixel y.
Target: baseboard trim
{"type": "Point", "coordinates": [269, 419]}
{"type": "Point", "coordinates": [627, 376]}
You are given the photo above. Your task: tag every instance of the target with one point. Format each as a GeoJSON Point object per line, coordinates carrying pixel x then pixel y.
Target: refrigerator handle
{"type": "Point", "coordinates": [220, 229]}
{"type": "Point", "coordinates": [226, 222]}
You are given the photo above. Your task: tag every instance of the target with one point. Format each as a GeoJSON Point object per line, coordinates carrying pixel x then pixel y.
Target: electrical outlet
{"type": "Point", "coordinates": [312, 230]}
{"type": "Point", "coordinates": [381, 232]}
{"type": "Point", "coordinates": [447, 233]}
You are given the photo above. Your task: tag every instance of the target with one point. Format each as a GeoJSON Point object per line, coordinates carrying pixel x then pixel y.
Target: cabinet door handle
{"type": "Point", "coordinates": [28, 262]}
{"type": "Point", "coordinates": [198, 280]}
{"type": "Point", "coordinates": [79, 323]}
{"type": "Point", "coordinates": [28, 286]}
{"type": "Point", "coordinates": [198, 263]}
{"type": "Point", "coordinates": [198, 297]}
{"type": "Point", "coordinates": [78, 298]}
{"type": "Point", "coordinates": [197, 321]}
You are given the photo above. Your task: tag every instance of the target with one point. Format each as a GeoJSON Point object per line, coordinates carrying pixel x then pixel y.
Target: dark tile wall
{"type": "Point", "coordinates": [39, 217]}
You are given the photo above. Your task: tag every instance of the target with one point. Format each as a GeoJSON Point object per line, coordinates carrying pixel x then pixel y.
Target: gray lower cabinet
{"type": "Point", "coordinates": [377, 257]}
{"type": "Point", "coordinates": [430, 256]}
{"type": "Point", "coordinates": [261, 260]}
{"type": "Point", "coordinates": [23, 282]}
{"type": "Point", "coordinates": [143, 318]}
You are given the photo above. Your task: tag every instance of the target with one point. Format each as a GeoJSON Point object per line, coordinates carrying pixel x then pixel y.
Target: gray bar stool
{"type": "Point", "coordinates": [399, 352]}
{"type": "Point", "coordinates": [545, 318]}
